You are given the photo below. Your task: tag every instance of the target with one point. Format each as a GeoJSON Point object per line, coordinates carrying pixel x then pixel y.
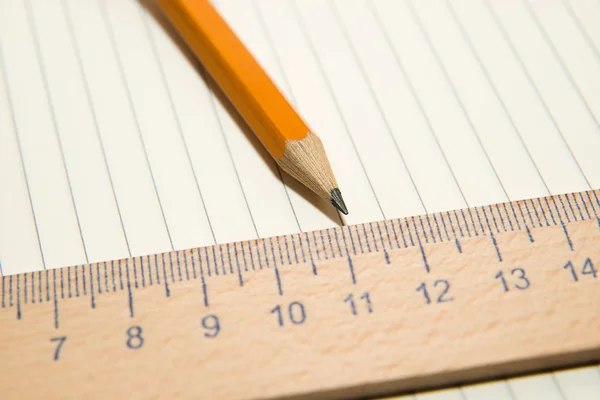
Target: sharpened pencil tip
{"type": "Point", "coordinates": [338, 201]}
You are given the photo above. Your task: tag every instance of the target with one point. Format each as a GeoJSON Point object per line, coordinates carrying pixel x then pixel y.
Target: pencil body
{"type": "Point", "coordinates": [263, 107]}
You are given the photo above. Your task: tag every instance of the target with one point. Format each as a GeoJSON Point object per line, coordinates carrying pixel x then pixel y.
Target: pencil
{"type": "Point", "coordinates": [287, 138]}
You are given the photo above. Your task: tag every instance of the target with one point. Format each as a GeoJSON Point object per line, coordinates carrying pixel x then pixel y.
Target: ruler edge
{"type": "Point", "coordinates": [419, 231]}
{"type": "Point", "coordinates": [406, 386]}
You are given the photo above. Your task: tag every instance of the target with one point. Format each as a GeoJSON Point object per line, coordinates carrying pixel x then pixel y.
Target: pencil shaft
{"type": "Point", "coordinates": [238, 74]}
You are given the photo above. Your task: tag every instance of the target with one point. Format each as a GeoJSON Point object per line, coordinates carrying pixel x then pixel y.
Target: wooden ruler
{"type": "Point", "coordinates": [361, 310]}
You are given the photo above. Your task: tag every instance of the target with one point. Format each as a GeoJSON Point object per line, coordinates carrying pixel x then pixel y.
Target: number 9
{"type": "Point", "coordinates": [212, 325]}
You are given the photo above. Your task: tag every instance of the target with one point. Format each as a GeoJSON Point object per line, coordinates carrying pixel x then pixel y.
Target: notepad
{"type": "Point", "coordinates": [113, 142]}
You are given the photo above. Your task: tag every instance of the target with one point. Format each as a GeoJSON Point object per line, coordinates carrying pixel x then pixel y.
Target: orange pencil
{"type": "Point", "coordinates": [288, 139]}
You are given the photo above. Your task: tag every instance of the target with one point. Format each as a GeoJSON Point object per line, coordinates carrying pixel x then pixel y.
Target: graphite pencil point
{"type": "Point", "coordinates": [338, 201]}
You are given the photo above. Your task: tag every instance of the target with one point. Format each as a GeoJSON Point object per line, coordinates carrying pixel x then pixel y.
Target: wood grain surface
{"type": "Point", "coordinates": [364, 310]}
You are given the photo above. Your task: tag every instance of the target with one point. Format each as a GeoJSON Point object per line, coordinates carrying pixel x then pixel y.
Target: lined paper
{"type": "Point", "coordinates": [113, 142]}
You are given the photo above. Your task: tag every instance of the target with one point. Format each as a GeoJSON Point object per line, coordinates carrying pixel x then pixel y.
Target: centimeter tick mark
{"type": "Point", "coordinates": [164, 269]}
{"type": "Point", "coordinates": [10, 290]}
{"type": "Point", "coordinates": [18, 297]}
{"type": "Point", "coordinates": [93, 298]}
{"type": "Point", "coordinates": [312, 261]}
{"type": "Point", "coordinates": [56, 317]}
{"type": "Point", "coordinates": [202, 280]}
{"type": "Point", "coordinates": [237, 263]}
{"type": "Point", "coordinates": [567, 236]}
{"type": "Point", "coordinates": [495, 242]}
{"type": "Point", "coordinates": [25, 285]}
{"type": "Point", "coordinates": [278, 278]}
{"type": "Point", "coordinates": [129, 293]}
{"type": "Point", "coordinates": [423, 255]}
{"type": "Point", "coordinates": [351, 267]}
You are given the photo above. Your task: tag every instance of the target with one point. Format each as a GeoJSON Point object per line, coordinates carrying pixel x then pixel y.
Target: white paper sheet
{"type": "Point", "coordinates": [113, 145]}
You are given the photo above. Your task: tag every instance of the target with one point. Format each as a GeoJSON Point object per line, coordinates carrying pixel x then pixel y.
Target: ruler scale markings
{"type": "Point", "coordinates": [491, 211]}
{"type": "Point", "coordinates": [121, 272]}
{"type": "Point", "coordinates": [387, 233]}
{"type": "Point", "coordinates": [562, 204]}
{"type": "Point", "coordinates": [193, 264]}
{"type": "Point", "coordinates": [457, 224]}
{"type": "Point", "coordinates": [112, 276]}
{"type": "Point", "coordinates": [32, 274]}
{"type": "Point", "coordinates": [287, 249]}
{"type": "Point", "coordinates": [528, 213]}
{"type": "Point", "coordinates": [578, 229]}
{"type": "Point", "coordinates": [237, 262]}
{"type": "Point", "coordinates": [202, 280]}
{"type": "Point", "coordinates": [281, 252]}
{"type": "Point", "coordinates": [244, 258]}
{"type": "Point", "coordinates": [273, 257]}
{"type": "Point", "coordinates": [99, 277]}
{"type": "Point", "coordinates": [278, 279]}
{"type": "Point", "coordinates": [149, 269]}
{"type": "Point", "coordinates": [260, 263]}
{"type": "Point", "coordinates": [543, 211]}
{"type": "Point", "coordinates": [472, 222]}
{"type": "Point", "coordinates": [357, 238]}
{"type": "Point", "coordinates": [92, 297]}
{"type": "Point", "coordinates": [430, 228]}
{"type": "Point", "coordinates": [222, 257]}
{"type": "Point", "coordinates": [351, 268]}
{"type": "Point", "coordinates": [562, 198]}
{"type": "Point", "coordinates": [293, 247]}
{"type": "Point", "coordinates": [351, 239]}
{"type": "Point", "coordinates": [337, 242]}
{"type": "Point", "coordinates": [568, 197]}
{"type": "Point", "coordinates": [83, 280]}
{"type": "Point", "coordinates": [62, 287]}
{"type": "Point", "coordinates": [129, 292]}
{"type": "Point", "coordinates": [372, 236]}
{"type": "Point", "coordinates": [441, 215]}
{"type": "Point", "coordinates": [266, 254]}
{"type": "Point", "coordinates": [47, 285]}
{"type": "Point", "coordinates": [214, 258]}
{"type": "Point", "coordinates": [385, 253]}
{"type": "Point", "coordinates": [423, 229]}
{"type": "Point", "coordinates": [19, 296]}
{"type": "Point", "coordinates": [456, 241]}
{"type": "Point", "coordinates": [135, 273]}
{"type": "Point", "coordinates": [499, 216]}
{"type": "Point", "coordinates": [437, 226]}
{"type": "Point", "coordinates": [25, 288]}
{"type": "Point", "coordinates": [597, 200]}
{"type": "Point", "coordinates": [10, 290]}
{"type": "Point", "coordinates": [462, 213]}
{"type": "Point", "coordinates": [399, 223]}
{"type": "Point", "coordinates": [170, 261]}
{"type": "Point", "coordinates": [56, 315]}
{"type": "Point", "coordinates": [508, 216]}
{"type": "Point", "coordinates": [407, 231]}
{"type": "Point", "coordinates": [302, 246]}
{"type": "Point", "coordinates": [522, 215]}
{"type": "Point", "coordinates": [252, 258]}
{"type": "Point", "coordinates": [547, 204]}
{"type": "Point", "coordinates": [178, 268]}
{"type": "Point", "coordinates": [324, 247]}
{"type": "Point", "coordinates": [207, 261]}
{"type": "Point", "coordinates": [187, 271]}
{"type": "Point", "coordinates": [164, 271]}
{"type": "Point", "coordinates": [155, 267]}
{"type": "Point", "coordinates": [577, 199]}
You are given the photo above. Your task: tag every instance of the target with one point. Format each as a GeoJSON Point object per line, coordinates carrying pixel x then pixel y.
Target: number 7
{"type": "Point", "coordinates": [60, 341]}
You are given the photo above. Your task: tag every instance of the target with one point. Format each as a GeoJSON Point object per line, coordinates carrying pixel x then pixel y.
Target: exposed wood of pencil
{"type": "Point", "coordinates": [269, 115]}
